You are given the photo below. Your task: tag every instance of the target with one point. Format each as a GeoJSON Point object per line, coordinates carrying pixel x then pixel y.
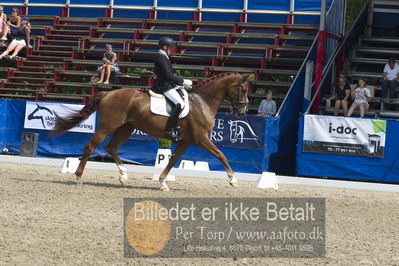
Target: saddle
{"type": "Point", "coordinates": [161, 105]}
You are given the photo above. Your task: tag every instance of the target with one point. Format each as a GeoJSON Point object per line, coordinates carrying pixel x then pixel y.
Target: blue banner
{"type": "Point", "coordinates": [238, 133]}
{"type": "Point", "coordinates": [228, 132]}
{"type": "Point", "coordinates": [237, 138]}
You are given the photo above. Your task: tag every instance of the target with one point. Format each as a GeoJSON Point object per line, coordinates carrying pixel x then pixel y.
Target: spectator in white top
{"type": "Point", "coordinates": [361, 97]}
{"type": "Point", "coordinates": [390, 83]}
{"type": "Point", "coordinates": [267, 106]}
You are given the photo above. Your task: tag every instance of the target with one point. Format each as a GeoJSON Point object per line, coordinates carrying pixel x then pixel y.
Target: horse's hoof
{"type": "Point", "coordinates": [79, 183]}
{"type": "Point", "coordinates": [123, 180]}
{"type": "Point", "coordinates": [164, 187]}
{"type": "Point", "coordinates": [234, 183]}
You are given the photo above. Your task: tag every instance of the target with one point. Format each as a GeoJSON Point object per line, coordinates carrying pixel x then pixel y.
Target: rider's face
{"type": "Point", "coordinates": [167, 49]}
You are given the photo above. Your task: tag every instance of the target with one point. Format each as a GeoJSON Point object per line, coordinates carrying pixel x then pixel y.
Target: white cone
{"type": "Point", "coordinates": [201, 166]}
{"type": "Point", "coordinates": [162, 161]}
{"type": "Point", "coordinates": [70, 165]}
{"type": "Point", "coordinates": [268, 180]}
{"type": "Point", "coordinates": [187, 164]}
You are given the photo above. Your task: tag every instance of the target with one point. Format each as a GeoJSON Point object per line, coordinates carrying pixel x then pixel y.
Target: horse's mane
{"type": "Point", "coordinates": [213, 78]}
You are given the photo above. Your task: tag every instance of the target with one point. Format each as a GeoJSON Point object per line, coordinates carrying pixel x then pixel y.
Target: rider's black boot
{"type": "Point", "coordinates": [172, 126]}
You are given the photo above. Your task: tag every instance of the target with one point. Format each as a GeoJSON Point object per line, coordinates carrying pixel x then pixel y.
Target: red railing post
{"type": "Point", "coordinates": [65, 12]}
{"type": "Point", "coordinates": [319, 68]}
{"type": "Point", "coordinates": [109, 13]}
{"type": "Point", "coordinates": [23, 11]}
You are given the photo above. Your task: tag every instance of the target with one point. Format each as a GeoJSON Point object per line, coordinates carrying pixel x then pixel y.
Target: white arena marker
{"type": "Point", "coordinates": [268, 180]}
{"type": "Point", "coordinates": [162, 161]}
{"type": "Point", "coordinates": [187, 164]}
{"type": "Point", "coordinates": [70, 165]}
{"type": "Point", "coordinates": [201, 166]}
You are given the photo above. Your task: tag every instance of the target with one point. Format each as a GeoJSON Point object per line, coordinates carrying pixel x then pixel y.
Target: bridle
{"type": "Point", "coordinates": [236, 104]}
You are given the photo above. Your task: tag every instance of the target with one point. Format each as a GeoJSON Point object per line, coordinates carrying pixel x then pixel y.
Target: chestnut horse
{"type": "Point", "coordinates": [121, 111]}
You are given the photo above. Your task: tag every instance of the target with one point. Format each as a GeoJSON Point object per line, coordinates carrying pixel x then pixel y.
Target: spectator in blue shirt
{"type": "Point", "coordinates": [267, 106]}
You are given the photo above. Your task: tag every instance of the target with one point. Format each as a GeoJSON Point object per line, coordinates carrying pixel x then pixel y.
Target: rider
{"type": "Point", "coordinates": [167, 84]}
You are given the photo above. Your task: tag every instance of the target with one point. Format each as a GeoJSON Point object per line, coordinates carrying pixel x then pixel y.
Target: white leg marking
{"type": "Point", "coordinates": [164, 186]}
{"type": "Point", "coordinates": [122, 174]}
{"type": "Point", "coordinates": [233, 181]}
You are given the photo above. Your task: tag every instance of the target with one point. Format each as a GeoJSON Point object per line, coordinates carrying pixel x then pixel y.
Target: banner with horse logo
{"type": "Point", "coordinates": [229, 131]}
{"type": "Point", "coordinates": [240, 133]}
{"type": "Point", "coordinates": [41, 115]}
{"type": "Point", "coordinates": [345, 136]}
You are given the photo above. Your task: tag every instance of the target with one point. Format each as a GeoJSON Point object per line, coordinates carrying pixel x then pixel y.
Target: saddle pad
{"type": "Point", "coordinates": [158, 104]}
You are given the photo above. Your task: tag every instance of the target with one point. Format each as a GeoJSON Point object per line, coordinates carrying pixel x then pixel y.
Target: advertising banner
{"type": "Point", "coordinates": [344, 136]}
{"type": "Point", "coordinates": [41, 115]}
{"type": "Point", "coordinates": [229, 131]}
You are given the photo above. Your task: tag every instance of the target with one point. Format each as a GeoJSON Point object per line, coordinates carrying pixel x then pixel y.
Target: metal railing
{"type": "Point", "coordinates": [156, 7]}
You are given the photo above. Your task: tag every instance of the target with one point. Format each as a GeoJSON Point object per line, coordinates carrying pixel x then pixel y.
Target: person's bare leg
{"type": "Point", "coordinates": [362, 108]}
{"type": "Point", "coordinates": [337, 106]}
{"type": "Point", "coordinates": [6, 29]}
{"type": "Point", "coordinates": [353, 107]}
{"type": "Point", "coordinates": [16, 50]}
{"type": "Point", "coordinates": [108, 74]}
{"type": "Point", "coordinates": [8, 50]}
{"type": "Point", "coordinates": [345, 107]}
{"type": "Point", "coordinates": [102, 75]}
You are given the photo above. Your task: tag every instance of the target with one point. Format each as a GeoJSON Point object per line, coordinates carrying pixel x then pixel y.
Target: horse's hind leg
{"type": "Point", "coordinates": [119, 137]}
{"type": "Point", "coordinates": [180, 148]}
{"type": "Point", "coordinates": [207, 145]}
{"type": "Point", "coordinates": [90, 146]}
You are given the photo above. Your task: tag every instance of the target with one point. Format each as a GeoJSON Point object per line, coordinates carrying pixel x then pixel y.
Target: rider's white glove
{"type": "Point", "coordinates": [187, 84]}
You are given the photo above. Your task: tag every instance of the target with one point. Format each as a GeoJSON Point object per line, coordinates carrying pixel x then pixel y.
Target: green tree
{"type": "Point", "coordinates": [353, 8]}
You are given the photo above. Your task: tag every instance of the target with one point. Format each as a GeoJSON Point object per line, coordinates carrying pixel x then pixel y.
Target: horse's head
{"type": "Point", "coordinates": [238, 94]}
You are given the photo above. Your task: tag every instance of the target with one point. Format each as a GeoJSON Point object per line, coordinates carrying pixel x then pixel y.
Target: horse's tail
{"type": "Point", "coordinates": [63, 124]}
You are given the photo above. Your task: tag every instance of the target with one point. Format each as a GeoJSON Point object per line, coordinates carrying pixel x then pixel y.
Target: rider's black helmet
{"type": "Point", "coordinates": [166, 41]}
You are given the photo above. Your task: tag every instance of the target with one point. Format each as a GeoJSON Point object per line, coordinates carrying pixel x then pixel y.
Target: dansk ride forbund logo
{"type": "Point", "coordinates": [43, 116]}
{"type": "Point", "coordinates": [40, 113]}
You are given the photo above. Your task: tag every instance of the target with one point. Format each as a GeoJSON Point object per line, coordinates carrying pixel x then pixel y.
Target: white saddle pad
{"type": "Point", "coordinates": [158, 104]}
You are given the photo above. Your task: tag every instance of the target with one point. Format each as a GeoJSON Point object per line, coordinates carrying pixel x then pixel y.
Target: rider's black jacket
{"type": "Point", "coordinates": [166, 80]}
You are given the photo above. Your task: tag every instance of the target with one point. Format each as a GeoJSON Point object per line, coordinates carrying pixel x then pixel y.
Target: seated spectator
{"type": "Point", "coordinates": [342, 92]}
{"type": "Point", "coordinates": [14, 22]}
{"type": "Point", "coordinates": [361, 96]}
{"type": "Point", "coordinates": [110, 64]}
{"type": "Point", "coordinates": [390, 83]}
{"type": "Point", "coordinates": [20, 38]}
{"type": "Point", "coordinates": [3, 25]}
{"type": "Point", "coordinates": [267, 106]}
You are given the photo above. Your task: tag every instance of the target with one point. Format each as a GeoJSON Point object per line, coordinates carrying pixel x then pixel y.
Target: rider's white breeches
{"type": "Point", "coordinates": [174, 96]}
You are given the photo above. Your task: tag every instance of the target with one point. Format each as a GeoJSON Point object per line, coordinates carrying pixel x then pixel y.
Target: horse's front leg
{"type": "Point", "coordinates": [180, 148]}
{"type": "Point", "coordinates": [208, 145]}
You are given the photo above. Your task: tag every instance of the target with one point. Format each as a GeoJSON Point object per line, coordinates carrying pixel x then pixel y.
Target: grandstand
{"type": "Point", "coordinates": [67, 51]}
{"type": "Point", "coordinates": [367, 48]}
